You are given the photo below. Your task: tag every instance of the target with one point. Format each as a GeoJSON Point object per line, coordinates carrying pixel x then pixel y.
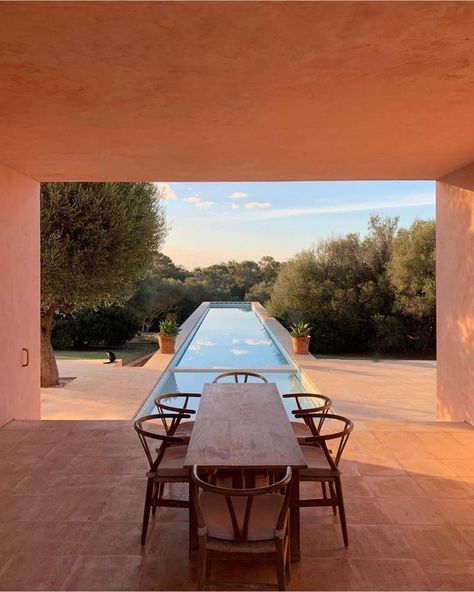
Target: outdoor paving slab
{"type": "Point", "coordinates": [408, 519]}
{"type": "Point", "coordinates": [450, 574]}
{"type": "Point", "coordinates": [117, 572]}
{"type": "Point", "coordinates": [390, 574]}
{"type": "Point", "coordinates": [99, 391]}
{"type": "Point", "coordinates": [33, 572]}
{"type": "Point", "coordinates": [329, 573]}
{"type": "Point", "coordinates": [412, 510]}
{"type": "Point", "coordinates": [393, 485]}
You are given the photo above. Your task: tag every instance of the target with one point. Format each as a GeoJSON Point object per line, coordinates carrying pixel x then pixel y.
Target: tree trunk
{"type": "Point", "coordinates": [49, 368]}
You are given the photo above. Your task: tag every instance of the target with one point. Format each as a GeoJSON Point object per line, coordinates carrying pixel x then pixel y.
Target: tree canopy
{"type": "Point", "coordinates": [364, 294]}
{"type": "Point", "coordinates": [97, 241]}
{"type": "Point", "coordinates": [361, 294]}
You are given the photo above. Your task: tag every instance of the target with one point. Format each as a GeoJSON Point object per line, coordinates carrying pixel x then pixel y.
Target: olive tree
{"type": "Point", "coordinates": [97, 241]}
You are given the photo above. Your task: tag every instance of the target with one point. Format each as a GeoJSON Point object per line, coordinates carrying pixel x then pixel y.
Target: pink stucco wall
{"type": "Point", "coordinates": [19, 296]}
{"type": "Point", "coordinates": [455, 295]}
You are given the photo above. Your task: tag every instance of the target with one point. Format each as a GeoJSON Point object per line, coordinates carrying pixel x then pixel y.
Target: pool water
{"type": "Point", "coordinates": [228, 338]}
{"type": "Point", "coordinates": [232, 337]}
{"type": "Point", "coordinates": [187, 382]}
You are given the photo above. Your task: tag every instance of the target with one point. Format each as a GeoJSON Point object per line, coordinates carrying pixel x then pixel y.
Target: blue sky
{"type": "Point", "coordinates": [214, 222]}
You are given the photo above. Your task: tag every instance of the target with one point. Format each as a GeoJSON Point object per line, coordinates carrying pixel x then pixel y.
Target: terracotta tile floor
{"type": "Point", "coordinates": [71, 495]}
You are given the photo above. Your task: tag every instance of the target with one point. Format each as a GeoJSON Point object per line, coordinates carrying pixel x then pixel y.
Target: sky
{"type": "Point", "coordinates": [215, 222]}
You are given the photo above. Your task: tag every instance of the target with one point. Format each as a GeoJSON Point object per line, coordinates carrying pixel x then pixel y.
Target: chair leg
{"type": "Point", "coordinates": [333, 498]}
{"type": "Point", "coordinates": [161, 490]}
{"type": "Point", "coordinates": [202, 565]}
{"type": "Point", "coordinates": [281, 567]}
{"type": "Point", "coordinates": [288, 562]}
{"type": "Point", "coordinates": [342, 512]}
{"type": "Point", "coordinates": [155, 498]}
{"type": "Point", "coordinates": [146, 510]}
{"type": "Point", "coordinates": [157, 495]}
{"type": "Point", "coordinates": [324, 490]}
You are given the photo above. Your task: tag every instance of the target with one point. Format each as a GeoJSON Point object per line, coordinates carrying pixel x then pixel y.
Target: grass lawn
{"type": "Point", "coordinates": [128, 352]}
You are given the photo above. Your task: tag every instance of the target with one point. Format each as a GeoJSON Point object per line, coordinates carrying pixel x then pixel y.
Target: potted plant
{"type": "Point", "coordinates": [300, 337]}
{"type": "Point", "coordinates": [169, 329]}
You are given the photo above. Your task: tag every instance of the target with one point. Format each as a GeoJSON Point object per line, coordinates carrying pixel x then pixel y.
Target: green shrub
{"type": "Point", "coordinates": [105, 326]}
{"type": "Point", "coordinates": [63, 336]}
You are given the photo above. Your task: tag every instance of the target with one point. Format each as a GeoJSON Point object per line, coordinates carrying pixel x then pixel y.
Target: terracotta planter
{"type": "Point", "coordinates": [166, 343]}
{"type": "Point", "coordinates": [300, 345]}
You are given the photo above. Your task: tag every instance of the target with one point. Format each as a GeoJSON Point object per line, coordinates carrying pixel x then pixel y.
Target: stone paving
{"type": "Point", "coordinates": [100, 391]}
{"type": "Point", "coordinates": [72, 495]}
{"type": "Point", "coordinates": [393, 390]}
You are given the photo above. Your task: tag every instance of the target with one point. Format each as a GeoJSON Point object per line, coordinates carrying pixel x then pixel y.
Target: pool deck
{"type": "Point", "coordinates": [394, 390]}
{"type": "Point", "coordinates": [100, 391]}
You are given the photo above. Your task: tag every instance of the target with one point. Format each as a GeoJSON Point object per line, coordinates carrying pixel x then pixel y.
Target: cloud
{"type": "Point", "coordinates": [194, 199]}
{"type": "Point", "coordinates": [235, 206]}
{"type": "Point", "coordinates": [165, 192]}
{"type": "Point", "coordinates": [198, 203]}
{"type": "Point", "coordinates": [238, 195]}
{"type": "Point", "coordinates": [258, 342]}
{"type": "Point", "coordinates": [203, 205]}
{"type": "Point", "coordinates": [196, 347]}
{"type": "Point", "coordinates": [234, 340]}
{"type": "Point", "coordinates": [406, 201]}
{"type": "Point", "coordinates": [254, 205]}
{"type": "Point", "coordinates": [239, 352]}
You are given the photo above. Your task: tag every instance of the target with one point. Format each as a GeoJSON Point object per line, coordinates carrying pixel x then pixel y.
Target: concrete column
{"type": "Point", "coordinates": [455, 295]}
{"type": "Point", "coordinates": [19, 296]}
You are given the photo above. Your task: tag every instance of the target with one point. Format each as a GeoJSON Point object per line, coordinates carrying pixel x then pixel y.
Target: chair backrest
{"type": "Point", "coordinates": [164, 408]}
{"type": "Point", "coordinates": [307, 403]}
{"type": "Point", "coordinates": [340, 430]}
{"type": "Point", "coordinates": [146, 428]}
{"type": "Point", "coordinates": [239, 376]}
{"type": "Point", "coordinates": [240, 524]}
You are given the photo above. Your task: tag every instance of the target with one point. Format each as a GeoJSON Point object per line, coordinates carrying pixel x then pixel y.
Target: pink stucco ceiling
{"type": "Point", "coordinates": [236, 90]}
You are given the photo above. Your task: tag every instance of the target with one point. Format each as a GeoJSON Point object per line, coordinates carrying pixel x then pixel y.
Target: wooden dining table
{"type": "Point", "coordinates": [245, 426]}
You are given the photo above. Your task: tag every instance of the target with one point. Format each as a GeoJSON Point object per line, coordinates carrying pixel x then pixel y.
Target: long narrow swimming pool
{"type": "Point", "coordinates": [228, 337]}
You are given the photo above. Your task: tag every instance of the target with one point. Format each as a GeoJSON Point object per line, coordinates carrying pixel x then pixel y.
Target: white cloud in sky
{"type": "Point", "coordinates": [206, 342]}
{"type": "Point", "coordinates": [238, 195]}
{"type": "Point", "coordinates": [235, 340]}
{"type": "Point", "coordinates": [198, 202]}
{"type": "Point", "coordinates": [235, 206]}
{"type": "Point", "coordinates": [407, 201]}
{"type": "Point", "coordinates": [196, 347]}
{"type": "Point", "coordinates": [258, 342]}
{"type": "Point", "coordinates": [166, 191]}
{"type": "Point", "coordinates": [239, 352]}
{"type": "Point", "coordinates": [254, 205]}
{"type": "Point", "coordinates": [193, 199]}
{"type": "Point", "coordinates": [203, 205]}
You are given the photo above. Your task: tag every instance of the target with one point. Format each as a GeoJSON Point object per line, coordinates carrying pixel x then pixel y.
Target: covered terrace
{"type": "Point", "coordinates": [183, 91]}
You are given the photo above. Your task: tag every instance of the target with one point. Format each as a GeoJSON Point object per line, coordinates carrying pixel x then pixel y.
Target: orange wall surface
{"type": "Point", "coordinates": [455, 295]}
{"type": "Point", "coordinates": [19, 296]}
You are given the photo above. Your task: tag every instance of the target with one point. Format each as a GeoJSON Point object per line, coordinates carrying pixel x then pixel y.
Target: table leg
{"type": "Point", "coordinates": [295, 516]}
{"type": "Point", "coordinates": [193, 537]}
